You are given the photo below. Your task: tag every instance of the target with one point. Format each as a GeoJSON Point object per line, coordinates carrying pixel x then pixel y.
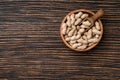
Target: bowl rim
{"type": "Point", "coordinates": [84, 11]}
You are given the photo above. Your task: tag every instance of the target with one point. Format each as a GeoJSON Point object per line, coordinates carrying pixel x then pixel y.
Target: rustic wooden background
{"type": "Point", "coordinates": [31, 48]}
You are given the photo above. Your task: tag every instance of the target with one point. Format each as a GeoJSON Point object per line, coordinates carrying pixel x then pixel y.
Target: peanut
{"type": "Point", "coordinates": [68, 18]}
{"type": "Point", "coordinates": [78, 36]}
{"type": "Point", "coordinates": [87, 23]}
{"type": "Point", "coordinates": [78, 15]}
{"type": "Point", "coordinates": [72, 16]}
{"type": "Point", "coordinates": [79, 44]}
{"type": "Point", "coordinates": [94, 40]}
{"type": "Point", "coordinates": [68, 30]}
{"type": "Point", "coordinates": [73, 37]}
{"type": "Point", "coordinates": [82, 41]}
{"type": "Point", "coordinates": [90, 44]}
{"type": "Point", "coordinates": [84, 16]}
{"type": "Point", "coordinates": [75, 45]}
{"type": "Point", "coordinates": [84, 26]}
{"type": "Point", "coordinates": [97, 25]}
{"type": "Point", "coordinates": [72, 42]}
{"type": "Point", "coordinates": [81, 30]}
{"type": "Point", "coordinates": [78, 21]}
{"type": "Point", "coordinates": [64, 27]}
{"type": "Point", "coordinates": [72, 21]}
{"type": "Point", "coordinates": [96, 31]}
{"type": "Point", "coordinates": [71, 32]}
{"type": "Point", "coordinates": [63, 31]}
{"type": "Point", "coordinates": [68, 23]}
{"type": "Point", "coordinates": [82, 47]}
{"type": "Point", "coordinates": [67, 38]}
{"type": "Point", "coordinates": [89, 34]}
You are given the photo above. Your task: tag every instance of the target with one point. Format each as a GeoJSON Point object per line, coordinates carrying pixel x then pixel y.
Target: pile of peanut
{"type": "Point", "coordinates": [75, 34]}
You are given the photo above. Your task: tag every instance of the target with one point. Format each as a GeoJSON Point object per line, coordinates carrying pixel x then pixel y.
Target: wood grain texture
{"type": "Point", "coordinates": [31, 48]}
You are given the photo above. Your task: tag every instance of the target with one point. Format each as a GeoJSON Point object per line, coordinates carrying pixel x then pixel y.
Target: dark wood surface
{"type": "Point", "coordinates": [31, 48]}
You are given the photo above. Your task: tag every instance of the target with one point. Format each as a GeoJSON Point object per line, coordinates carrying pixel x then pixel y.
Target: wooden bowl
{"type": "Point", "coordinates": [84, 11]}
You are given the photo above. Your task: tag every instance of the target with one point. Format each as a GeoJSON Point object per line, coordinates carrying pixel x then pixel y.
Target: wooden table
{"type": "Point", "coordinates": [31, 48]}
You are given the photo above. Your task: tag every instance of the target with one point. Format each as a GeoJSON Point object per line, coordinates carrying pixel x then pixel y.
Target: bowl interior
{"type": "Point", "coordinates": [84, 11]}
